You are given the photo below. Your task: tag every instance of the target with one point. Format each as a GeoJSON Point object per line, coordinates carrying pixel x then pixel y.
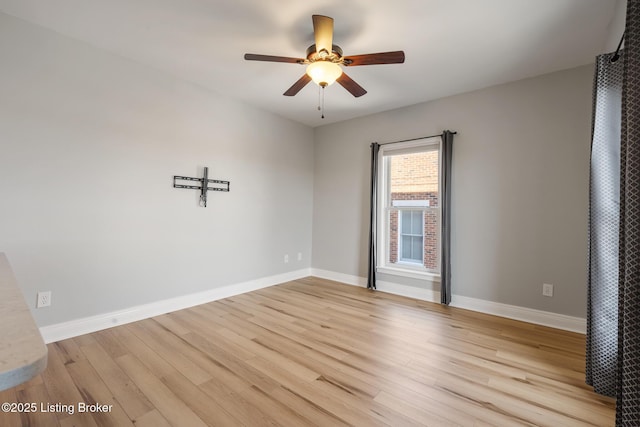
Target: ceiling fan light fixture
{"type": "Point", "coordinates": [324, 73]}
{"type": "Point", "coordinates": [324, 60]}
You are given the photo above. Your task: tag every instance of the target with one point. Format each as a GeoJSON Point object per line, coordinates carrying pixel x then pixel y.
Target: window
{"type": "Point", "coordinates": [411, 235]}
{"type": "Point", "coordinates": [409, 216]}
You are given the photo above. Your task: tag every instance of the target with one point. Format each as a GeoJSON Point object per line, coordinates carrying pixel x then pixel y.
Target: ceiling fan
{"type": "Point", "coordinates": [324, 60]}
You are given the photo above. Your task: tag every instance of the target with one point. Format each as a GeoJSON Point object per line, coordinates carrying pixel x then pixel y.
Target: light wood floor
{"type": "Point", "coordinates": [314, 352]}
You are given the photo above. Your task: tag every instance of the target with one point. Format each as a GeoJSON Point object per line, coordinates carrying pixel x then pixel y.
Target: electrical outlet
{"type": "Point", "coordinates": [299, 256]}
{"type": "Point", "coordinates": [286, 259]}
{"type": "Point", "coordinates": [547, 289]}
{"type": "Point", "coordinates": [44, 299]}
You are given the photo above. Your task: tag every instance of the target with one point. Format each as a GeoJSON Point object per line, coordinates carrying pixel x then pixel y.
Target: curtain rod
{"type": "Point", "coordinates": [414, 139]}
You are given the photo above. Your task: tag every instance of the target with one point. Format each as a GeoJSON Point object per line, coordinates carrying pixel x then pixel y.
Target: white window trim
{"type": "Point", "coordinates": [410, 203]}
{"type": "Point", "coordinates": [406, 271]}
{"type": "Point", "coordinates": [401, 269]}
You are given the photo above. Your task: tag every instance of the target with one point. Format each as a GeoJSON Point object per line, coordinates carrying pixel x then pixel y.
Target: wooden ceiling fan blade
{"type": "Point", "coordinates": [271, 58]}
{"type": "Point", "coordinates": [323, 32]}
{"type": "Point", "coordinates": [297, 86]}
{"type": "Point", "coordinates": [395, 57]}
{"type": "Point", "coordinates": [349, 84]}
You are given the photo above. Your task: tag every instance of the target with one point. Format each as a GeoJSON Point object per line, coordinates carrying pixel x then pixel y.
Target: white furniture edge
{"type": "Point", "coordinates": [23, 354]}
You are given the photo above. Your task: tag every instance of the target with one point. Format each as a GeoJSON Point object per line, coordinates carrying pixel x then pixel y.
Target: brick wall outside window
{"type": "Point", "coordinates": [415, 177]}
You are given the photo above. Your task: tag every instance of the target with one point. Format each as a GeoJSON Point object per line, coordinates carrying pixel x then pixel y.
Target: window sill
{"type": "Point", "coordinates": [405, 272]}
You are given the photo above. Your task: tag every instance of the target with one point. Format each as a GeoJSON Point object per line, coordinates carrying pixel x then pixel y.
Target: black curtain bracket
{"type": "Point", "coordinates": [616, 55]}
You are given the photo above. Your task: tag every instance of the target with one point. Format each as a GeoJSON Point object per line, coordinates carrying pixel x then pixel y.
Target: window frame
{"type": "Point", "coordinates": [403, 268]}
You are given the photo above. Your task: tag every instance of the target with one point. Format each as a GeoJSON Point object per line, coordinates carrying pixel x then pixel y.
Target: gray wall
{"type": "Point", "coordinates": [616, 26]}
{"type": "Point", "coordinates": [520, 188]}
{"type": "Point", "coordinates": [89, 143]}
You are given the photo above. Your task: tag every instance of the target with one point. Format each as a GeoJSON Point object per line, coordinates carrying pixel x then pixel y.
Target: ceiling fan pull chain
{"type": "Point", "coordinates": [321, 99]}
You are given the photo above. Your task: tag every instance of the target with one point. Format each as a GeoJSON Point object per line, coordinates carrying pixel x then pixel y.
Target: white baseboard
{"type": "Point", "coordinates": [74, 328]}
{"type": "Point", "coordinates": [530, 315]}
{"type": "Point", "coordinates": [340, 277]}
{"type": "Point", "coordinates": [538, 317]}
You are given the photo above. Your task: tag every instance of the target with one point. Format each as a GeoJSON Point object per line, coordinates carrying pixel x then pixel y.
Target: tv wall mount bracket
{"type": "Point", "coordinates": [204, 185]}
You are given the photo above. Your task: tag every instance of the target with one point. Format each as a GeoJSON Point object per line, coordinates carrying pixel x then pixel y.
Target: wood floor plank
{"type": "Point", "coordinates": [586, 412]}
{"type": "Point", "coordinates": [318, 352]}
{"type": "Point", "coordinates": [311, 410]}
{"type": "Point", "coordinates": [305, 311]}
{"type": "Point", "coordinates": [197, 318]}
{"type": "Point", "coordinates": [110, 343]}
{"type": "Point", "coordinates": [62, 390]}
{"type": "Point", "coordinates": [152, 419]}
{"type": "Point", "coordinates": [132, 400]}
{"type": "Point", "coordinates": [87, 339]}
{"type": "Point", "coordinates": [197, 323]}
{"type": "Point", "coordinates": [95, 392]}
{"type": "Point", "coordinates": [375, 412]}
{"type": "Point", "coordinates": [282, 414]}
{"type": "Point", "coordinates": [9, 418]}
{"type": "Point", "coordinates": [69, 351]}
{"type": "Point", "coordinates": [503, 402]}
{"type": "Point", "coordinates": [248, 414]}
{"type": "Point", "coordinates": [168, 322]}
{"type": "Point", "coordinates": [236, 325]}
{"type": "Point", "coordinates": [334, 370]}
{"type": "Point", "coordinates": [152, 360]}
{"type": "Point", "coordinates": [278, 372]}
{"type": "Point", "coordinates": [172, 349]}
{"type": "Point", "coordinates": [265, 351]}
{"type": "Point", "coordinates": [38, 395]}
{"type": "Point", "coordinates": [165, 401]}
{"type": "Point", "coordinates": [208, 410]}
{"type": "Point", "coordinates": [426, 414]}
{"type": "Point", "coordinates": [235, 373]}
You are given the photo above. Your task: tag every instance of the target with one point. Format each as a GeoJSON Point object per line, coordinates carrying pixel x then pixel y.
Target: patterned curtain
{"type": "Point", "coordinates": [604, 228]}
{"type": "Point", "coordinates": [613, 329]}
{"type": "Point", "coordinates": [628, 378]}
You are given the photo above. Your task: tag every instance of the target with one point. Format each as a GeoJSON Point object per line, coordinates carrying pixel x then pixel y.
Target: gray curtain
{"type": "Point", "coordinates": [604, 213]}
{"type": "Point", "coordinates": [613, 340]}
{"type": "Point", "coordinates": [445, 267]}
{"type": "Point", "coordinates": [628, 378]}
{"type": "Point", "coordinates": [373, 209]}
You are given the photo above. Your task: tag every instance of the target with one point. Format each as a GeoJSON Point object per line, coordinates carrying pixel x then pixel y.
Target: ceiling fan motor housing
{"type": "Point", "coordinates": [335, 55]}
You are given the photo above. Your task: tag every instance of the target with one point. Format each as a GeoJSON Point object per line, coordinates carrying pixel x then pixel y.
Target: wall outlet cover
{"type": "Point", "coordinates": [44, 299]}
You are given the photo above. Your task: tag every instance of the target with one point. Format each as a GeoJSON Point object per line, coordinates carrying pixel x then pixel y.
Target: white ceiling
{"type": "Point", "coordinates": [451, 46]}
